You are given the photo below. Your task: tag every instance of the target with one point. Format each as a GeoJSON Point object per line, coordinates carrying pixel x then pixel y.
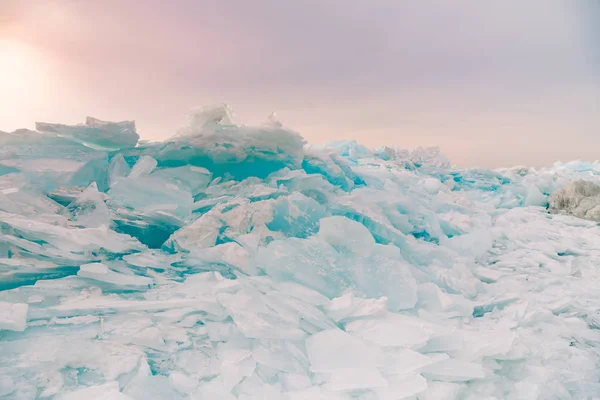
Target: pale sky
{"type": "Point", "coordinates": [492, 83]}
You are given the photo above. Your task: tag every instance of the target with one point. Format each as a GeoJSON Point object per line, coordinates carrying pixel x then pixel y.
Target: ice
{"type": "Point", "coordinates": [403, 386]}
{"type": "Point", "coordinates": [100, 272]}
{"type": "Point", "coordinates": [89, 209]}
{"type": "Point", "coordinates": [535, 197]}
{"type": "Point", "coordinates": [392, 330]}
{"type": "Point", "coordinates": [454, 371]}
{"type": "Point", "coordinates": [13, 317]}
{"type": "Point", "coordinates": [356, 378]}
{"type": "Point", "coordinates": [108, 391]}
{"type": "Point", "coordinates": [95, 133]}
{"type": "Point", "coordinates": [333, 349]}
{"type": "Point", "coordinates": [237, 262]}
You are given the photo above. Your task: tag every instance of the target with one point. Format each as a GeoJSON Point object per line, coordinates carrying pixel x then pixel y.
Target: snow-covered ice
{"type": "Point", "coordinates": [238, 262]}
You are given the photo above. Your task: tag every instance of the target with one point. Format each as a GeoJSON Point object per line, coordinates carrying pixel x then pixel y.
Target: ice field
{"type": "Point", "coordinates": [239, 262]}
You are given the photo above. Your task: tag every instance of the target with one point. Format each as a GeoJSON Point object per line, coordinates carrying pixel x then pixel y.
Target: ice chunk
{"type": "Point", "coordinates": [201, 362]}
{"type": "Point", "coordinates": [535, 198]}
{"type": "Point", "coordinates": [402, 387]}
{"type": "Point", "coordinates": [148, 194]}
{"type": "Point", "coordinates": [211, 141]}
{"type": "Point", "coordinates": [101, 272]}
{"type": "Point", "coordinates": [429, 156]}
{"type": "Point", "coordinates": [356, 378]}
{"type": "Point", "coordinates": [392, 330]}
{"type": "Point", "coordinates": [89, 208]}
{"type": "Point", "coordinates": [432, 298]}
{"type": "Point", "coordinates": [310, 262]}
{"type": "Point", "coordinates": [95, 133]}
{"type": "Point", "coordinates": [401, 361]}
{"type": "Point", "coordinates": [213, 389]}
{"type": "Point", "coordinates": [348, 307]}
{"type": "Point", "coordinates": [255, 319]}
{"type": "Point", "coordinates": [189, 177]}
{"type": "Point", "coordinates": [334, 349]}
{"type": "Point", "coordinates": [378, 276]}
{"type": "Point", "coordinates": [144, 166]}
{"type": "Point", "coordinates": [13, 317]}
{"type": "Point", "coordinates": [341, 232]}
{"type": "Point", "coordinates": [206, 118]}
{"type": "Point", "coordinates": [108, 391]}
{"type": "Point", "coordinates": [117, 168]}
{"type": "Point", "coordinates": [453, 370]}
{"type": "Point", "coordinates": [441, 391]}
{"type": "Point", "coordinates": [154, 387]}
{"type": "Point", "coordinates": [236, 362]}
{"type": "Point", "coordinates": [281, 355]}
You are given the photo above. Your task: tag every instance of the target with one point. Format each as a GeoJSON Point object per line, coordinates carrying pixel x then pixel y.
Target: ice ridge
{"type": "Point", "coordinates": [239, 262]}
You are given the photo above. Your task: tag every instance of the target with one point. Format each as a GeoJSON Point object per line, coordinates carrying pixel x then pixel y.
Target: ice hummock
{"type": "Point", "coordinates": [237, 262]}
{"type": "Point", "coordinates": [95, 133]}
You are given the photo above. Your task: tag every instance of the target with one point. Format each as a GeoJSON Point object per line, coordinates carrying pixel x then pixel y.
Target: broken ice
{"type": "Point", "coordinates": [238, 262]}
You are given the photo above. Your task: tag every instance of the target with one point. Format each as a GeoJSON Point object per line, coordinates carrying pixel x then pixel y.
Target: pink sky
{"type": "Point", "coordinates": [492, 84]}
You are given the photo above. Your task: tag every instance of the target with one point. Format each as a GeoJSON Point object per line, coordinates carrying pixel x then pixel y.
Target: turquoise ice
{"type": "Point", "coordinates": [240, 262]}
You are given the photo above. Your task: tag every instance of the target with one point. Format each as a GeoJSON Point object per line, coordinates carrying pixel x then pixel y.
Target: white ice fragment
{"type": "Point", "coordinates": [393, 330]}
{"type": "Point", "coordinates": [149, 337]}
{"type": "Point", "coordinates": [378, 276]}
{"type": "Point", "coordinates": [95, 133]}
{"type": "Point", "coordinates": [453, 370]}
{"type": "Point", "coordinates": [280, 355]}
{"type": "Point", "coordinates": [107, 391]}
{"type": "Point", "coordinates": [316, 394]}
{"type": "Point", "coordinates": [475, 243]}
{"type": "Point", "coordinates": [7, 385]}
{"type": "Point", "coordinates": [222, 331]}
{"type": "Point", "coordinates": [206, 117]}
{"type": "Point", "coordinates": [534, 197]}
{"type": "Point", "coordinates": [13, 316]}
{"type": "Point", "coordinates": [341, 232]}
{"type": "Point", "coordinates": [335, 349]}
{"type": "Point", "coordinates": [347, 307]}
{"type": "Point", "coordinates": [431, 156]}
{"type": "Point", "coordinates": [118, 168]}
{"type": "Point", "coordinates": [89, 208]}
{"type": "Point", "coordinates": [101, 272]}
{"type": "Point", "coordinates": [440, 391]}
{"type": "Point", "coordinates": [433, 186]}
{"type": "Point", "coordinates": [432, 298]}
{"type": "Point", "coordinates": [201, 362]}
{"type": "Point", "coordinates": [402, 387]}
{"type": "Point", "coordinates": [144, 166]}
{"type": "Point", "coordinates": [182, 383]}
{"type": "Point", "coordinates": [343, 379]}
{"type": "Point", "coordinates": [35, 299]}
{"type": "Point", "coordinates": [213, 389]}
{"type": "Point", "coordinates": [401, 361]}
{"type": "Point", "coordinates": [152, 387]}
{"type": "Point", "coordinates": [303, 293]}
{"type": "Point", "coordinates": [293, 382]}
{"type": "Point", "coordinates": [9, 190]}
{"type": "Point", "coordinates": [236, 362]}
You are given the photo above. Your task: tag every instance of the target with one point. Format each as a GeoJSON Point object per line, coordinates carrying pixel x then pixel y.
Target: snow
{"type": "Point", "coordinates": [13, 317]}
{"type": "Point", "coordinates": [578, 198]}
{"type": "Point", "coordinates": [237, 262]}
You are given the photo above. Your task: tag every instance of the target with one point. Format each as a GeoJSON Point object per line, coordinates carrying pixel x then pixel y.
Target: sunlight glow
{"type": "Point", "coordinates": [20, 72]}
